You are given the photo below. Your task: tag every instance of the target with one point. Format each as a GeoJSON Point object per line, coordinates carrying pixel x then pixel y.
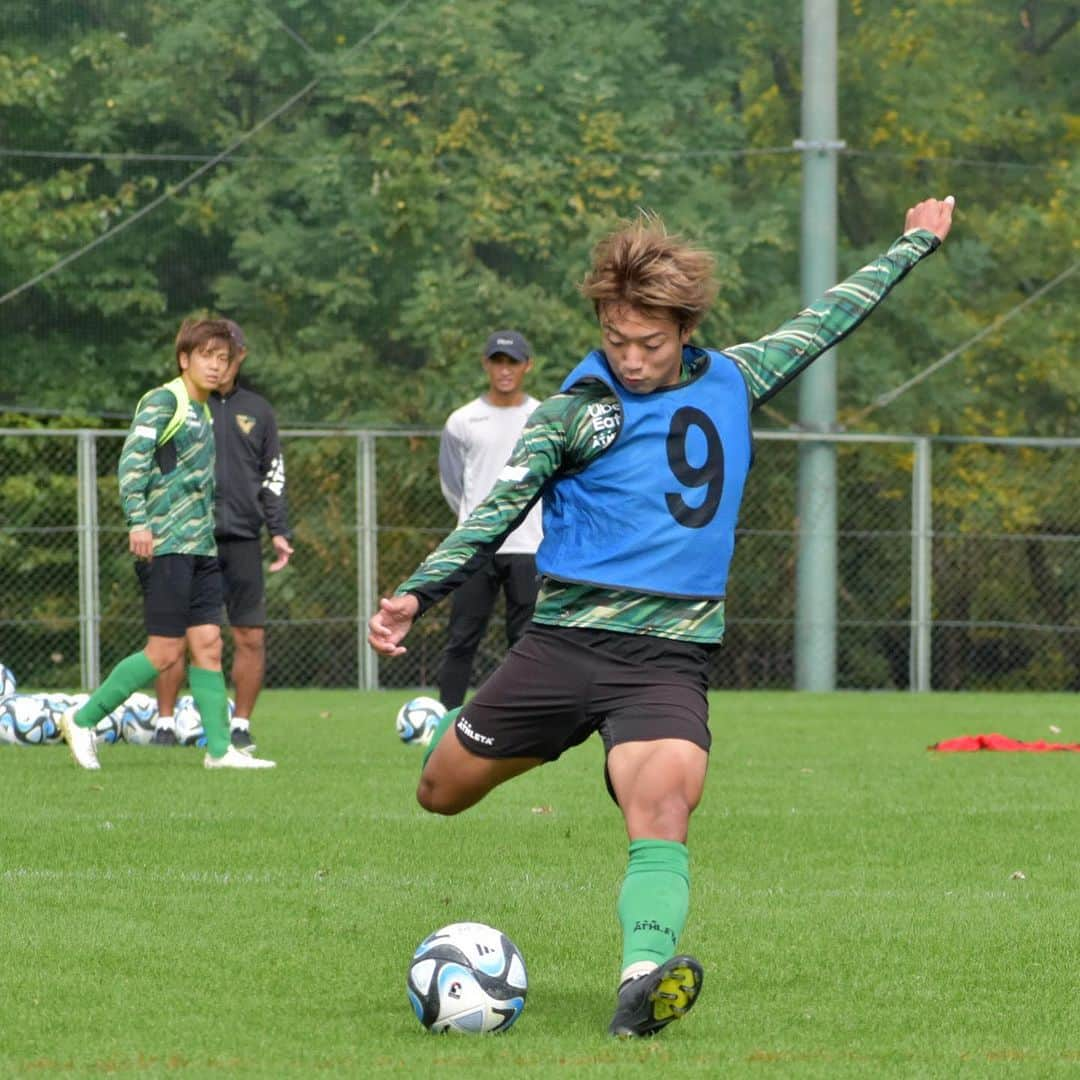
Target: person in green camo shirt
{"type": "Point", "coordinates": [640, 462]}
{"type": "Point", "coordinates": [167, 492]}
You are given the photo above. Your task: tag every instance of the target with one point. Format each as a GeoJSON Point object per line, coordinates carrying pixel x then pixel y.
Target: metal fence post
{"type": "Point", "coordinates": [89, 599]}
{"type": "Point", "coordinates": [367, 557]}
{"type": "Point", "coordinates": [921, 567]}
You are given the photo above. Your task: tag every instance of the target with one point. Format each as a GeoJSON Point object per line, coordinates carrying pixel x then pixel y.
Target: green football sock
{"type": "Point", "coordinates": [654, 900]}
{"type": "Point", "coordinates": [132, 673]}
{"type": "Point", "coordinates": [440, 731]}
{"type": "Point", "coordinates": [212, 701]}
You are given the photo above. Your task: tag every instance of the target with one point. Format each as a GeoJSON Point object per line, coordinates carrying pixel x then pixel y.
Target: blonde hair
{"type": "Point", "coordinates": [642, 265]}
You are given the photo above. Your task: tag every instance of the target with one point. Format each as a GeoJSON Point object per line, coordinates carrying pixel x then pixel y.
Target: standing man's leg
{"type": "Point", "coordinates": [245, 603]}
{"type": "Point", "coordinates": [470, 609]}
{"type": "Point", "coordinates": [205, 675]}
{"type": "Point", "coordinates": [167, 689]}
{"type": "Point", "coordinates": [520, 586]}
{"type": "Point", "coordinates": [211, 699]}
{"type": "Point", "coordinates": [166, 583]}
{"type": "Point", "coordinates": [208, 686]}
{"type": "Point", "coordinates": [248, 669]}
{"type": "Point", "coordinates": [131, 674]}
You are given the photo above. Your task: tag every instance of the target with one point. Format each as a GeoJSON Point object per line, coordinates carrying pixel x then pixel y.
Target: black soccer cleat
{"type": "Point", "coordinates": [650, 1002]}
{"type": "Point", "coordinates": [241, 739]}
{"type": "Point", "coordinates": [164, 737]}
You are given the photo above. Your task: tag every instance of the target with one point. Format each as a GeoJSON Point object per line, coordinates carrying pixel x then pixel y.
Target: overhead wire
{"type": "Point", "coordinates": [679, 154]}
{"type": "Point", "coordinates": [175, 189]}
{"type": "Point", "coordinates": [882, 400]}
{"type": "Point", "coordinates": [290, 31]}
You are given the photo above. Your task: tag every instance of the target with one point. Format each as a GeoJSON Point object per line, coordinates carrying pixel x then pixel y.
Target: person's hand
{"type": "Point", "coordinates": [389, 625]}
{"type": "Point", "coordinates": [282, 549]}
{"type": "Point", "coordinates": [141, 543]}
{"type": "Point", "coordinates": [932, 214]}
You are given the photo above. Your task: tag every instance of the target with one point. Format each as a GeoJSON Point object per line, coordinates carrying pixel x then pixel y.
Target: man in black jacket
{"type": "Point", "coordinates": [249, 477]}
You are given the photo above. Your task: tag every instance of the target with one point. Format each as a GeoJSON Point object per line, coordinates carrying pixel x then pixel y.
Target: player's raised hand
{"type": "Point", "coordinates": [389, 625]}
{"type": "Point", "coordinates": [932, 214]}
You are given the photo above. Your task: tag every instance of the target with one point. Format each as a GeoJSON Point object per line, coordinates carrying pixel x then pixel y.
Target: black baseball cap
{"type": "Point", "coordinates": [509, 343]}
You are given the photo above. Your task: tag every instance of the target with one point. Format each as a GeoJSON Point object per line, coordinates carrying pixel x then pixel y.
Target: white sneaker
{"type": "Point", "coordinates": [80, 741]}
{"type": "Point", "coordinates": [236, 759]}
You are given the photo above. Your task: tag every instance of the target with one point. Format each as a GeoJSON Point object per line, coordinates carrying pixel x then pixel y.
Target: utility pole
{"type": "Point", "coordinates": [816, 570]}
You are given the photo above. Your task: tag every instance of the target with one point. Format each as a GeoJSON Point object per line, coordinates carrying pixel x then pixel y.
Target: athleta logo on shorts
{"type": "Point", "coordinates": [465, 728]}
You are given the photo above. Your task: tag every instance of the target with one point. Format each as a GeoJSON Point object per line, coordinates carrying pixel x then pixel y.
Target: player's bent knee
{"type": "Point", "coordinates": [164, 653]}
{"type": "Point", "coordinates": [438, 799]}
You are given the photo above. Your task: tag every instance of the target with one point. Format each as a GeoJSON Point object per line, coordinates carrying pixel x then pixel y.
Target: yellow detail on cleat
{"type": "Point", "coordinates": [644, 1013]}
{"type": "Point", "coordinates": [674, 995]}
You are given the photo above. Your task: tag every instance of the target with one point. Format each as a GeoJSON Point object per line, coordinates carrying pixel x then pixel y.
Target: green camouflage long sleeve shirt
{"type": "Point", "coordinates": [170, 490]}
{"type": "Point", "coordinates": [569, 430]}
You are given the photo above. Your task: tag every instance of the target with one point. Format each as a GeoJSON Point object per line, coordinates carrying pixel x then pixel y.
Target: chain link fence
{"type": "Point", "coordinates": [958, 562]}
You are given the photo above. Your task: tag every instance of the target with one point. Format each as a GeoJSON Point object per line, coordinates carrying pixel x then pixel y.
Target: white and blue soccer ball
{"type": "Point", "coordinates": [61, 703]}
{"type": "Point", "coordinates": [109, 729]}
{"type": "Point", "coordinates": [137, 718]}
{"type": "Point", "coordinates": [417, 720]}
{"type": "Point", "coordinates": [189, 729]}
{"type": "Point", "coordinates": [31, 719]}
{"type": "Point", "coordinates": [7, 682]}
{"type": "Point", "coordinates": [189, 725]}
{"type": "Point", "coordinates": [467, 977]}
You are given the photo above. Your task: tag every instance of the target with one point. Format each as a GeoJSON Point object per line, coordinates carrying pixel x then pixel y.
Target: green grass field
{"type": "Point", "coordinates": [862, 907]}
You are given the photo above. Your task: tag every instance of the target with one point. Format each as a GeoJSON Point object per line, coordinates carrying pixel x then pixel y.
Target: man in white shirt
{"type": "Point", "coordinates": [475, 445]}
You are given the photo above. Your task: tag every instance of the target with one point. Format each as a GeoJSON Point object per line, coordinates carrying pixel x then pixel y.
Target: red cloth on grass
{"type": "Point", "coordinates": [967, 743]}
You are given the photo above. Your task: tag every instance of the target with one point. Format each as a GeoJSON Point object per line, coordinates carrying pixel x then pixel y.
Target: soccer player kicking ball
{"type": "Point", "coordinates": [640, 461]}
{"type": "Point", "coordinates": [167, 492]}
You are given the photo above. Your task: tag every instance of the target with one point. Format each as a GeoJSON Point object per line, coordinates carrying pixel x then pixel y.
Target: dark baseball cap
{"type": "Point", "coordinates": [510, 343]}
{"type": "Point", "coordinates": [237, 334]}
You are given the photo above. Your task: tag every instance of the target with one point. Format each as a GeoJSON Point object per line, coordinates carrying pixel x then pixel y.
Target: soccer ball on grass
{"type": "Point", "coordinates": [32, 719]}
{"type": "Point", "coordinates": [109, 728]}
{"type": "Point", "coordinates": [467, 977]}
{"type": "Point", "coordinates": [137, 717]}
{"type": "Point", "coordinates": [189, 725]}
{"type": "Point", "coordinates": [417, 720]}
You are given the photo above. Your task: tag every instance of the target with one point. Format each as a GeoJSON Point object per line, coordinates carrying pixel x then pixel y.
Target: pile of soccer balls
{"type": "Point", "coordinates": [467, 977]}
{"type": "Point", "coordinates": [34, 719]}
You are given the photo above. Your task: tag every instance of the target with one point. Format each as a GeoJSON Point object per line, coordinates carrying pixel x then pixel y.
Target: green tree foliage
{"type": "Point", "coordinates": [448, 172]}
{"type": "Point", "coordinates": [406, 175]}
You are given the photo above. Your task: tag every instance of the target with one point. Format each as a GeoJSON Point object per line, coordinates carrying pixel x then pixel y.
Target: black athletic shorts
{"type": "Point", "coordinates": [179, 591]}
{"type": "Point", "coordinates": [242, 581]}
{"type": "Point", "coordinates": [559, 685]}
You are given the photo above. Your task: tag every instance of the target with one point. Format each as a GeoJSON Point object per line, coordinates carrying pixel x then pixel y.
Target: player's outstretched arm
{"type": "Point", "coordinates": [389, 625]}
{"type": "Point", "coordinates": [934, 215]}
{"type": "Point", "coordinates": [771, 362]}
